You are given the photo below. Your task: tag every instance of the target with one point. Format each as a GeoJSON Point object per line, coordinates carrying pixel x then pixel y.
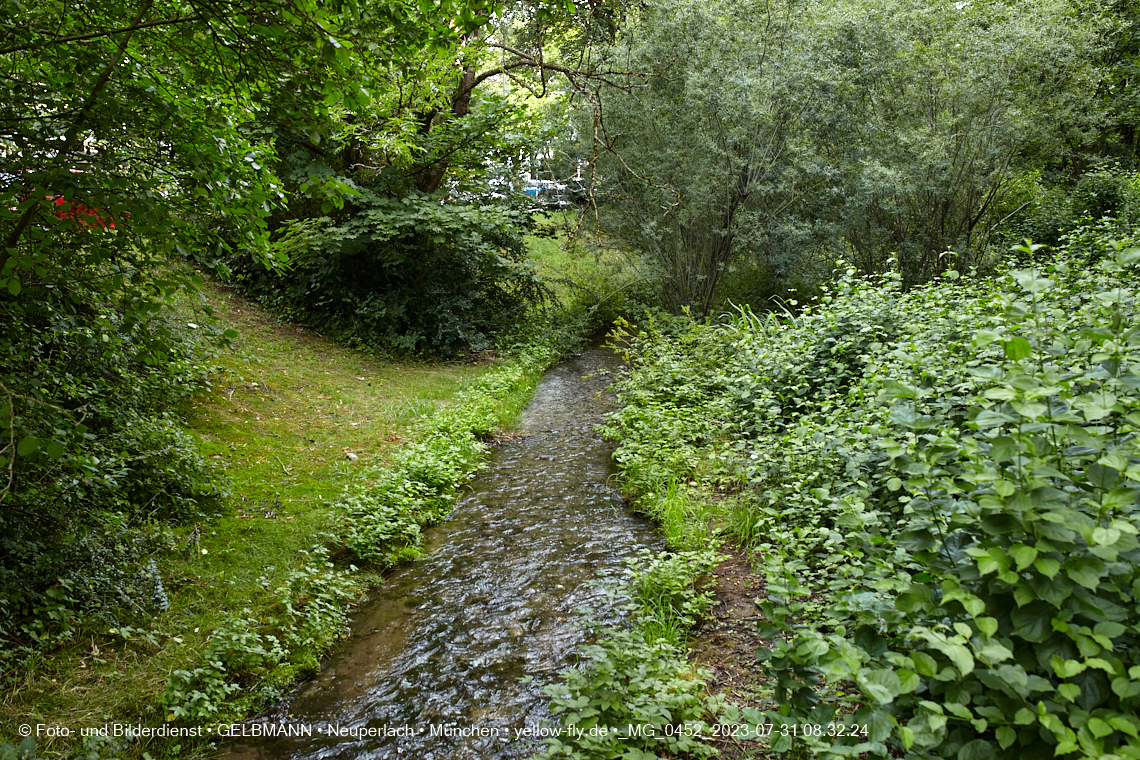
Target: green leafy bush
{"type": "Point", "coordinates": [638, 696]}
{"type": "Point", "coordinates": [244, 667]}
{"type": "Point", "coordinates": [313, 599]}
{"type": "Point", "coordinates": [942, 487]}
{"type": "Point", "coordinates": [237, 651]}
{"type": "Point", "coordinates": [1102, 204]}
{"type": "Point", "coordinates": [409, 273]}
{"type": "Point", "coordinates": [95, 462]}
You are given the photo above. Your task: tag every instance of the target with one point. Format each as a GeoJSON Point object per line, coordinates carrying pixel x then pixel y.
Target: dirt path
{"type": "Point", "coordinates": [726, 641]}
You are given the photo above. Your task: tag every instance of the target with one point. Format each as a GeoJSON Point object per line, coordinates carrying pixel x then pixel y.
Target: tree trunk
{"type": "Point", "coordinates": [430, 178]}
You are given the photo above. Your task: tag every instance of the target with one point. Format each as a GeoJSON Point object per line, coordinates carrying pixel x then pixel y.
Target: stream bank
{"type": "Point", "coordinates": [444, 644]}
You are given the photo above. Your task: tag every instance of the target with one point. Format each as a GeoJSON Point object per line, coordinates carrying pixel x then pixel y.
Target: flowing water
{"type": "Point", "coordinates": [434, 665]}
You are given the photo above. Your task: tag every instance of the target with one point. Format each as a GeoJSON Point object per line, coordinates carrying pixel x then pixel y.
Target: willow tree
{"type": "Point", "coordinates": [697, 161]}
{"type": "Point", "coordinates": [933, 111]}
{"type": "Point", "coordinates": [786, 132]}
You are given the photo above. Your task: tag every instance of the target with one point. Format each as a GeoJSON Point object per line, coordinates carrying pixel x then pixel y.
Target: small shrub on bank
{"type": "Point", "coordinates": [410, 274]}
{"type": "Point", "coordinates": [638, 696]}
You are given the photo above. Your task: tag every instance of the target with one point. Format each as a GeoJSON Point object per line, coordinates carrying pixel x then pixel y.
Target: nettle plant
{"type": "Point", "coordinates": [989, 605]}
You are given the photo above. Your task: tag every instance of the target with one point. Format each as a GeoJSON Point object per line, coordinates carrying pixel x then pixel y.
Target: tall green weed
{"type": "Point", "coordinates": [637, 696]}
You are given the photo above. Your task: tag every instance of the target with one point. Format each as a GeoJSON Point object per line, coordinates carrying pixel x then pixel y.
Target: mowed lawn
{"type": "Point", "coordinates": [281, 418]}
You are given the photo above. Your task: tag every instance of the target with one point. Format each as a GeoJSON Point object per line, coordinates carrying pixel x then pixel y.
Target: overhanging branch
{"type": "Point", "coordinates": [96, 35]}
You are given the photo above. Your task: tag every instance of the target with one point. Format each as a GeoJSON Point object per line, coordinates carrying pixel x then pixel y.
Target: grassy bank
{"type": "Point", "coordinates": [255, 595]}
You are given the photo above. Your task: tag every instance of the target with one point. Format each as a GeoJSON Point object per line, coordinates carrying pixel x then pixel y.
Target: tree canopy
{"type": "Point", "coordinates": [775, 135]}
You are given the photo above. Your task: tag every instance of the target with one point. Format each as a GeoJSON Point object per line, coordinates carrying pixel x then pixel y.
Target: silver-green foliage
{"type": "Point", "coordinates": [700, 162]}
{"type": "Point", "coordinates": [768, 134]}
{"type": "Point", "coordinates": [929, 111]}
{"type": "Point", "coordinates": [945, 490]}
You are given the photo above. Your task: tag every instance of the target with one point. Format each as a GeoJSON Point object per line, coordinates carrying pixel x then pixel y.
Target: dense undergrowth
{"type": "Point", "coordinates": [638, 686]}
{"type": "Point", "coordinates": [939, 487]}
{"type": "Point", "coordinates": [96, 463]}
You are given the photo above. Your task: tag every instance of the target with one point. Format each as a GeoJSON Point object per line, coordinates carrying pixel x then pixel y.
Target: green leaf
{"type": "Point", "coordinates": [987, 625]}
{"type": "Point", "coordinates": [958, 711]}
{"type": "Point", "coordinates": [1069, 691]}
{"type": "Point", "coordinates": [983, 338]}
{"type": "Point", "coordinates": [1000, 394]}
{"type": "Point", "coordinates": [1033, 622]}
{"type": "Point", "coordinates": [1031, 281]}
{"type": "Point", "coordinates": [993, 652]}
{"type": "Point", "coordinates": [14, 285]}
{"type": "Point", "coordinates": [1017, 349]}
{"type": "Point", "coordinates": [895, 389]}
{"type": "Point", "coordinates": [1047, 566]}
{"type": "Point", "coordinates": [1006, 736]}
{"type": "Point", "coordinates": [909, 681]}
{"type": "Point", "coordinates": [882, 684]}
{"type": "Point", "coordinates": [959, 655]}
{"type": "Point", "coordinates": [1101, 476]}
{"type": "Point", "coordinates": [1023, 555]}
{"type": "Point", "coordinates": [1099, 728]}
{"type": "Point", "coordinates": [1085, 571]}
{"type": "Point", "coordinates": [1128, 256]}
{"type": "Point", "coordinates": [991, 419]}
{"type": "Point", "coordinates": [1025, 717]}
{"type": "Point", "coordinates": [924, 664]}
{"type": "Point", "coordinates": [27, 445]}
{"type": "Point", "coordinates": [978, 749]}
{"type": "Point", "coordinates": [1110, 629]}
{"type": "Point", "coordinates": [780, 742]}
{"type": "Point", "coordinates": [1125, 688]}
{"type": "Point", "coordinates": [1123, 724]}
{"type": "Point", "coordinates": [881, 725]}
{"type": "Point", "coordinates": [1066, 668]}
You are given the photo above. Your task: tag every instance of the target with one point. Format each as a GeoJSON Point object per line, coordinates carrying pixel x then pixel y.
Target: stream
{"type": "Point", "coordinates": [434, 664]}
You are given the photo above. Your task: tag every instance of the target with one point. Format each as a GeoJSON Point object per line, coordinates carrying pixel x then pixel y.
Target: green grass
{"type": "Point", "coordinates": [279, 419]}
{"type": "Point", "coordinates": [583, 269]}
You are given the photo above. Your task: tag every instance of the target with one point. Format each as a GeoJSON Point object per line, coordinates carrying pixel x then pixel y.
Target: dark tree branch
{"type": "Point", "coordinates": [95, 35]}
{"type": "Point", "coordinates": [73, 133]}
